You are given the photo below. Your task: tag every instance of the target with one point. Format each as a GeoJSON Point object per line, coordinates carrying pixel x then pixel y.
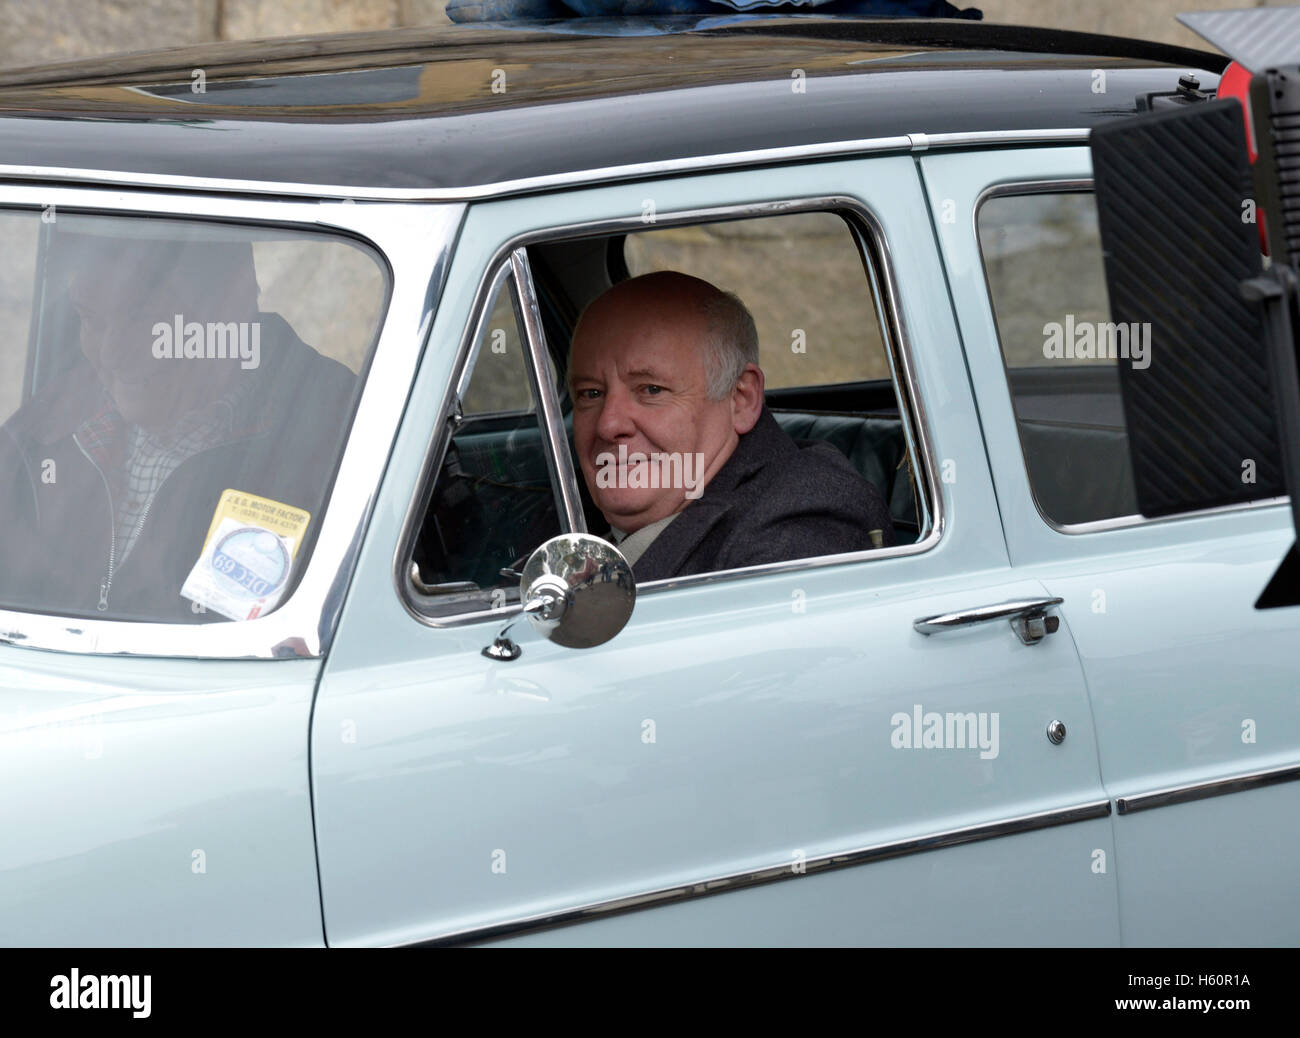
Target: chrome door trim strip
{"type": "Point", "coordinates": [1202, 790]}
{"type": "Point", "coordinates": [898, 347]}
{"type": "Point", "coordinates": [415, 244]}
{"type": "Point", "coordinates": [867, 855]}
{"type": "Point", "coordinates": [774, 873]}
{"type": "Point", "coordinates": [549, 181]}
{"type": "Point", "coordinates": [1075, 185]}
{"type": "Point", "coordinates": [559, 463]}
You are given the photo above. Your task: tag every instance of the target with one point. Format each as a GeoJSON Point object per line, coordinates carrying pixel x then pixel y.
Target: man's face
{"type": "Point", "coordinates": [119, 300]}
{"type": "Point", "coordinates": [639, 381]}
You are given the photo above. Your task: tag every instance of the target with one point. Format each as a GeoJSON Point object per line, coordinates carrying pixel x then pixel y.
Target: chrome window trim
{"type": "Point", "coordinates": [1010, 138]}
{"type": "Point", "coordinates": [414, 243]}
{"type": "Point", "coordinates": [1122, 522]}
{"type": "Point", "coordinates": [476, 345]}
{"type": "Point", "coordinates": [897, 343]}
{"type": "Point", "coordinates": [1077, 185]}
{"type": "Point", "coordinates": [1202, 790]}
{"type": "Point", "coordinates": [499, 270]}
{"type": "Point", "coordinates": [563, 479]}
{"type": "Point", "coordinates": [755, 877]}
{"type": "Point", "coordinates": [885, 299]}
{"type": "Point", "coordinates": [550, 181]}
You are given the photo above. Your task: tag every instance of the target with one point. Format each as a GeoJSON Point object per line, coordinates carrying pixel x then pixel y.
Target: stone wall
{"type": "Point", "coordinates": [35, 31]}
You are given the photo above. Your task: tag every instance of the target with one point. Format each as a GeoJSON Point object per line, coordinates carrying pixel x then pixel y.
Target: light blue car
{"type": "Point", "coordinates": [284, 416]}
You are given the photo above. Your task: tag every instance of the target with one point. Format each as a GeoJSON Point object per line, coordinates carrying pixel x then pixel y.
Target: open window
{"type": "Point", "coordinates": [827, 345]}
{"type": "Point", "coordinates": [822, 341]}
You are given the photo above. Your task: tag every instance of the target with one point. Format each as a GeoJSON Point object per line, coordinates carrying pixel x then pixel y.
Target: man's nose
{"type": "Point", "coordinates": [615, 421]}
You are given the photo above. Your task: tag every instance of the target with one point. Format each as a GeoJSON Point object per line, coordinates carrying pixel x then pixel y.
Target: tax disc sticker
{"type": "Point", "coordinates": [250, 562]}
{"type": "Point", "coordinates": [247, 557]}
{"type": "Point", "coordinates": [242, 572]}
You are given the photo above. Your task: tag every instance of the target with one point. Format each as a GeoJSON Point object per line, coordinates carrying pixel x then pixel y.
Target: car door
{"type": "Point", "coordinates": [1192, 689]}
{"type": "Point", "coordinates": [154, 768]}
{"type": "Point", "coordinates": [741, 737]}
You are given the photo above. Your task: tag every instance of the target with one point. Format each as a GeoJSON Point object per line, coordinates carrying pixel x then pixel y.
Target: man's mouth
{"type": "Point", "coordinates": [620, 457]}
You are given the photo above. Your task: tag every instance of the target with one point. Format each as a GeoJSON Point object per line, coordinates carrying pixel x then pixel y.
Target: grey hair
{"type": "Point", "coordinates": [731, 344]}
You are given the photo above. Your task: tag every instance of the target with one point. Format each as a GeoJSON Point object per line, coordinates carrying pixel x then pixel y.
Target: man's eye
{"type": "Point", "coordinates": [588, 394]}
{"type": "Point", "coordinates": [654, 390]}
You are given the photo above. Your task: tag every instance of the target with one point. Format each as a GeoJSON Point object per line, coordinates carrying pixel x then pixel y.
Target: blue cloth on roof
{"type": "Point", "coordinates": [521, 10]}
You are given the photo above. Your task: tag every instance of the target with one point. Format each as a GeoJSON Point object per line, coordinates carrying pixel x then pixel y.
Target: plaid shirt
{"type": "Point", "coordinates": [136, 462]}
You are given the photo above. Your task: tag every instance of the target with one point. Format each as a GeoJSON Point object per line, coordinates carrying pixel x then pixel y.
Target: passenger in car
{"type": "Point", "coordinates": [678, 450]}
{"type": "Point", "coordinates": [110, 477]}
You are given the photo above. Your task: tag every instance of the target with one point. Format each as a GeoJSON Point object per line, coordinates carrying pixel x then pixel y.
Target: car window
{"type": "Point", "coordinates": [500, 378]}
{"type": "Point", "coordinates": [293, 276]}
{"type": "Point", "coordinates": [494, 500]}
{"type": "Point", "coordinates": [1042, 257]}
{"type": "Point", "coordinates": [175, 400]}
{"type": "Point", "coordinates": [801, 277]}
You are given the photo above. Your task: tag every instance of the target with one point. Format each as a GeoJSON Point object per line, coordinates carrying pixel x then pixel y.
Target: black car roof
{"type": "Point", "coordinates": [429, 111]}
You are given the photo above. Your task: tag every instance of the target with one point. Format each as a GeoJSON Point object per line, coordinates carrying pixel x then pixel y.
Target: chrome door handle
{"type": "Point", "coordinates": [1028, 618]}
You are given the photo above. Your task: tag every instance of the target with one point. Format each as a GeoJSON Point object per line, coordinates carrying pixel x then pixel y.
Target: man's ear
{"type": "Point", "coordinates": [747, 399]}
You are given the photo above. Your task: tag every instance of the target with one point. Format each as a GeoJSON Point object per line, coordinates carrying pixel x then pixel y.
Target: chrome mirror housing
{"type": "Point", "coordinates": [577, 590]}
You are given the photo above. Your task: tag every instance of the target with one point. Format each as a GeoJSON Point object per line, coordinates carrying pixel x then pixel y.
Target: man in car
{"type": "Point", "coordinates": [110, 477]}
{"type": "Point", "coordinates": [679, 452]}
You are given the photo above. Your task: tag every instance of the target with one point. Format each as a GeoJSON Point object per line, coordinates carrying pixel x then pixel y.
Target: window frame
{"type": "Point", "coordinates": [873, 251]}
{"type": "Point", "coordinates": [1069, 185]}
{"type": "Point", "coordinates": [412, 246]}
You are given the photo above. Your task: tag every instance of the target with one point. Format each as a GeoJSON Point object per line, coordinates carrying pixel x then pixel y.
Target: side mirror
{"type": "Point", "coordinates": [577, 590]}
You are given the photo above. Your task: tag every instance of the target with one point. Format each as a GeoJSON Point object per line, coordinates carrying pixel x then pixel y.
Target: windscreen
{"type": "Point", "coordinates": [174, 400]}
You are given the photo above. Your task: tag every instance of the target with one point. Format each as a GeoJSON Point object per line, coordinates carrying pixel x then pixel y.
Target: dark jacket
{"type": "Point", "coordinates": [56, 536]}
{"type": "Point", "coordinates": [773, 500]}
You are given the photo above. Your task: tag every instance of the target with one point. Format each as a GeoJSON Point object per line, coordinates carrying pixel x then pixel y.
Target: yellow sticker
{"type": "Point", "coordinates": [251, 510]}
